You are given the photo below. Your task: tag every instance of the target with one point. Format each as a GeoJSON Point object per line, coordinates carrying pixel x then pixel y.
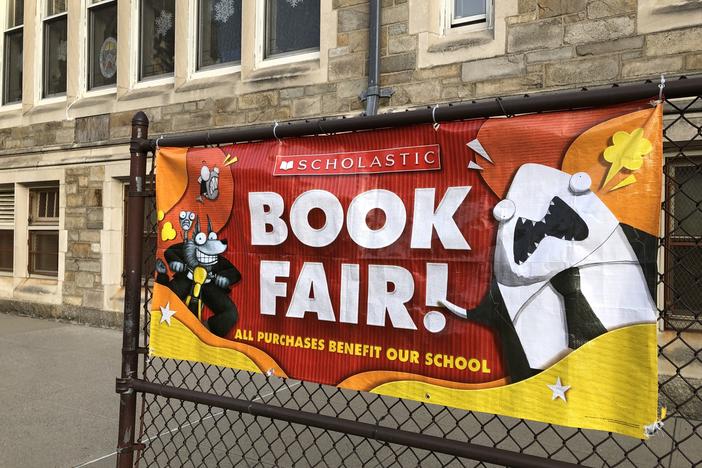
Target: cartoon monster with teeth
{"type": "Point", "coordinates": [565, 271]}
{"type": "Point", "coordinates": [202, 275]}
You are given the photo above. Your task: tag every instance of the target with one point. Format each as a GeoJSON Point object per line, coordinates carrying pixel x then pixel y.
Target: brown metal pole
{"type": "Point", "coordinates": [132, 292]}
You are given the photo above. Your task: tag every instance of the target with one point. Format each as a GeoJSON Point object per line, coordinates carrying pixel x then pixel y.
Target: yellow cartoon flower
{"type": "Point", "coordinates": [626, 152]}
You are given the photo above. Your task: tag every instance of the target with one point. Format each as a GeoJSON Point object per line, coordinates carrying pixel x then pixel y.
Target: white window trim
{"type": "Point", "coordinates": [45, 226]}
{"type": "Point", "coordinates": [149, 82]}
{"type": "Point", "coordinates": [194, 46]}
{"type": "Point", "coordinates": [474, 22]}
{"type": "Point", "coordinates": [4, 18]}
{"type": "Point", "coordinates": [85, 58]}
{"type": "Point", "coordinates": [39, 77]}
{"type": "Point", "coordinates": [260, 60]}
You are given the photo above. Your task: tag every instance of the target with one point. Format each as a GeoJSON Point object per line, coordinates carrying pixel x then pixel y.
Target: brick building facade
{"type": "Point", "coordinates": [64, 153]}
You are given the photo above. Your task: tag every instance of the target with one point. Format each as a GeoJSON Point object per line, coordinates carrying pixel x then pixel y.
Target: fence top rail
{"type": "Point", "coordinates": [508, 106]}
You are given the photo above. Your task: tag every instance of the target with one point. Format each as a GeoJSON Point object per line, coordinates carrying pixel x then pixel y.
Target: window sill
{"type": "Point", "coordinates": [285, 67]}
{"type": "Point", "coordinates": [103, 91]}
{"type": "Point", "coordinates": [154, 82]}
{"type": "Point", "coordinates": [50, 101]}
{"type": "Point", "coordinates": [14, 107]}
{"type": "Point", "coordinates": [211, 78]}
{"type": "Point", "coordinates": [458, 38]}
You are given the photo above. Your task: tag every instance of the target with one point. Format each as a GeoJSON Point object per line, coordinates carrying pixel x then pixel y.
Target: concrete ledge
{"type": "Point", "coordinates": [73, 314]}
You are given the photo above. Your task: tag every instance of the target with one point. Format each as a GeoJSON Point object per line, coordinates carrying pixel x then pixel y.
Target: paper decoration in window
{"type": "Point", "coordinates": [223, 10]}
{"type": "Point", "coordinates": [164, 23]}
{"type": "Point", "coordinates": [108, 57]}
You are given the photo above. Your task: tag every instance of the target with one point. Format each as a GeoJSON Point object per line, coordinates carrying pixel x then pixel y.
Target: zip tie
{"type": "Point", "coordinates": [433, 118]}
{"type": "Point", "coordinates": [660, 88]}
{"type": "Point", "coordinates": [499, 102]}
{"type": "Point", "coordinates": [157, 140]}
{"type": "Point", "coordinates": [275, 127]}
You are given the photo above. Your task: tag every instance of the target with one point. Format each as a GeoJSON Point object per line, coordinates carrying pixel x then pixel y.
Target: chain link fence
{"type": "Point", "coordinates": [172, 432]}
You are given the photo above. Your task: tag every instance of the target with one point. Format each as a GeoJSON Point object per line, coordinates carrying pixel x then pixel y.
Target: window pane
{"type": "Point", "coordinates": [43, 252]}
{"type": "Point", "coordinates": [219, 39]}
{"type": "Point", "coordinates": [54, 7]}
{"type": "Point", "coordinates": [685, 268]}
{"type": "Point", "coordinates": [157, 37]}
{"type": "Point", "coordinates": [292, 25]}
{"type": "Point", "coordinates": [55, 52]}
{"type": "Point", "coordinates": [15, 14]}
{"type": "Point", "coordinates": [102, 67]}
{"type": "Point", "coordinates": [12, 91]}
{"type": "Point", "coordinates": [466, 8]}
{"type": "Point", "coordinates": [687, 201]}
{"type": "Point", "coordinates": [6, 249]}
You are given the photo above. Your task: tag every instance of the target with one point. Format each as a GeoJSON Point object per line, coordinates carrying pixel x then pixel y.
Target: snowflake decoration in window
{"type": "Point", "coordinates": [223, 10]}
{"type": "Point", "coordinates": [61, 51]}
{"type": "Point", "coordinates": [164, 23]}
{"type": "Point", "coordinates": [294, 3]}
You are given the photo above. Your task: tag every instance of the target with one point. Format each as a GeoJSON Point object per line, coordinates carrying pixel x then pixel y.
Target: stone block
{"type": "Point", "coordinates": [89, 236]}
{"type": "Point", "coordinates": [546, 34]}
{"type": "Point", "coordinates": [693, 62]}
{"type": "Point", "coordinates": [395, 63]}
{"type": "Point", "coordinates": [351, 88]}
{"type": "Point", "coordinates": [292, 93]}
{"type": "Point", "coordinates": [347, 66]}
{"type": "Point", "coordinates": [591, 70]}
{"type": "Point", "coordinates": [307, 106]}
{"type": "Point", "coordinates": [346, 3]}
{"type": "Point", "coordinates": [550, 55]}
{"type": "Point", "coordinates": [350, 19]}
{"type": "Point", "coordinates": [603, 8]}
{"type": "Point", "coordinates": [93, 128]}
{"type": "Point", "coordinates": [93, 298]}
{"type": "Point", "coordinates": [400, 44]}
{"type": "Point", "coordinates": [396, 14]}
{"type": "Point", "coordinates": [526, 6]}
{"type": "Point", "coordinates": [674, 42]}
{"type": "Point", "coordinates": [492, 88]}
{"type": "Point", "coordinates": [607, 47]}
{"type": "Point", "coordinates": [443, 71]}
{"type": "Point", "coordinates": [599, 30]}
{"type": "Point", "coordinates": [258, 100]}
{"type": "Point", "coordinates": [320, 88]}
{"type": "Point", "coordinates": [85, 279]}
{"type": "Point", "coordinates": [497, 67]}
{"type": "Point", "coordinates": [549, 8]}
{"type": "Point", "coordinates": [268, 114]}
{"type": "Point", "coordinates": [388, 79]}
{"type": "Point", "coordinates": [651, 66]}
{"type": "Point", "coordinates": [92, 266]}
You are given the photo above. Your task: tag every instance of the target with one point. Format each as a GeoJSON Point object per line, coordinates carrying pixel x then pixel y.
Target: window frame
{"type": "Point", "coordinates": [139, 81]}
{"type": "Point", "coordinates": [10, 226]}
{"type": "Point", "coordinates": [261, 37]}
{"type": "Point", "coordinates": [476, 21]}
{"type": "Point", "coordinates": [104, 89]}
{"type": "Point", "coordinates": [5, 21]}
{"type": "Point", "coordinates": [670, 243]}
{"type": "Point", "coordinates": [218, 68]}
{"type": "Point", "coordinates": [42, 224]}
{"type": "Point", "coordinates": [43, 22]}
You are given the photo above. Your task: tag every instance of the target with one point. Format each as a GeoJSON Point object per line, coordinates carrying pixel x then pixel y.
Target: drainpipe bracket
{"type": "Point", "coordinates": [376, 91]}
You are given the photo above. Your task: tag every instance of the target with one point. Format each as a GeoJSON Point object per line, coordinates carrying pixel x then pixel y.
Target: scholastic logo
{"type": "Point", "coordinates": [405, 159]}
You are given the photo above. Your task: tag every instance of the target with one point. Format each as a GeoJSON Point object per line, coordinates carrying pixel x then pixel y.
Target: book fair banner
{"type": "Point", "coordinates": [502, 265]}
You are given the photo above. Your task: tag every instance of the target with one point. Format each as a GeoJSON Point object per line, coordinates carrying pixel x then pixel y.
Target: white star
{"type": "Point", "coordinates": [559, 390]}
{"type": "Point", "coordinates": [167, 313]}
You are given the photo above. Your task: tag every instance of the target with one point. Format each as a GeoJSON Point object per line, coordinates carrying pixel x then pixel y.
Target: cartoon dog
{"type": "Point", "coordinates": [202, 276]}
{"type": "Point", "coordinates": [565, 271]}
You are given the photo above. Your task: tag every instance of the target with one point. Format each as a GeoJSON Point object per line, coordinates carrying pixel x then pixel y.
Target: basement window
{"type": "Point", "coordinates": [7, 227]}
{"type": "Point", "coordinates": [43, 230]}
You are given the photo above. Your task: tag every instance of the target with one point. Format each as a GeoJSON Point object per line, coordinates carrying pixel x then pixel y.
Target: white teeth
{"type": "Point", "coordinates": [551, 204]}
{"type": "Point", "coordinates": [533, 223]}
{"type": "Point", "coordinates": [548, 212]}
{"type": "Point", "coordinates": [529, 254]}
{"type": "Point", "coordinates": [535, 245]}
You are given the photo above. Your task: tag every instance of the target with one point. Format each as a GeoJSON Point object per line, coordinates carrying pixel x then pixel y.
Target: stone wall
{"type": "Point", "coordinates": [550, 44]}
{"type": "Point", "coordinates": [542, 45]}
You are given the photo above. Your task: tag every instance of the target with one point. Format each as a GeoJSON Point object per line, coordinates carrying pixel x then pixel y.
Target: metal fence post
{"type": "Point", "coordinates": [132, 295]}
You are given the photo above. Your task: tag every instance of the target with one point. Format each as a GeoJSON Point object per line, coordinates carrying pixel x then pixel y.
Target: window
{"type": "Point", "coordinates": [219, 33]}
{"type": "Point", "coordinates": [43, 230]}
{"type": "Point", "coordinates": [55, 27]}
{"type": "Point", "coordinates": [13, 38]}
{"type": "Point", "coordinates": [148, 236]}
{"type": "Point", "coordinates": [7, 222]}
{"type": "Point", "coordinates": [292, 26]}
{"type": "Point", "coordinates": [468, 11]}
{"type": "Point", "coordinates": [102, 43]}
{"type": "Point", "coordinates": [156, 38]}
{"type": "Point", "coordinates": [683, 236]}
